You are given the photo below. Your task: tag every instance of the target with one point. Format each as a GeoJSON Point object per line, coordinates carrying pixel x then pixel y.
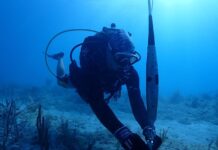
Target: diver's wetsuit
{"type": "Point", "coordinates": [94, 78]}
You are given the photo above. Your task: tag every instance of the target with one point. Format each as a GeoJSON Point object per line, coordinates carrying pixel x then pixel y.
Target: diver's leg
{"type": "Point", "coordinates": [60, 70]}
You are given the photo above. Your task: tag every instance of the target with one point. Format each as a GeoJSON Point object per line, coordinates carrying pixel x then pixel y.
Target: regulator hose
{"type": "Point", "coordinates": [72, 50]}
{"type": "Point", "coordinates": [54, 37]}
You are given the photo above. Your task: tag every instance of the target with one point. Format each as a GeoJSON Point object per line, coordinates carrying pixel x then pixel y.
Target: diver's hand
{"type": "Point", "coordinates": [129, 140]}
{"type": "Point", "coordinates": [134, 142]}
{"type": "Point", "coordinates": [149, 133]}
{"type": "Point", "coordinates": [157, 142]}
{"type": "Point", "coordinates": [153, 141]}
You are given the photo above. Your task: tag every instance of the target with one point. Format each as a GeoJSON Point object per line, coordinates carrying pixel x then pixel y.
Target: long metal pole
{"type": "Point", "coordinates": [152, 77]}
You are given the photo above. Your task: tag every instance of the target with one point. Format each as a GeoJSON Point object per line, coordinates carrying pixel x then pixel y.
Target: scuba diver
{"type": "Point", "coordinates": [106, 63]}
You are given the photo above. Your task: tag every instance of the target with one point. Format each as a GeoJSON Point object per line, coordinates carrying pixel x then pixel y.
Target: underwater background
{"type": "Point", "coordinates": [186, 36]}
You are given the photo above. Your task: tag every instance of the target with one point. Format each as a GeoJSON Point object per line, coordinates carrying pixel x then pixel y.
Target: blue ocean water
{"type": "Point", "coordinates": [186, 36]}
{"type": "Point", "coordinates": [185, 30]}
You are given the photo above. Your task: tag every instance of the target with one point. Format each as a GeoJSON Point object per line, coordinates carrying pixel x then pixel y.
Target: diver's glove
{"type": "Point", "coordinates": [153, 141]}
{"type": "Point", "coordinates": [129, 140]}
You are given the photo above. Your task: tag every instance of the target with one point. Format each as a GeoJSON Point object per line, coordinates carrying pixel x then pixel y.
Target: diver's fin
{"type": "Point", "coordinates": [151, 75]}
{"type": "Point", "coordinates": [56, 56]}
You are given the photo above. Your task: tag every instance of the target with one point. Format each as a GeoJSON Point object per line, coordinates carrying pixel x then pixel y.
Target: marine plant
{"type": "Point", "coordinates": [213, 143]}
{"type": "Point", "coordinates": [91, 143]}
{"type": "Point", "coordinates": [70, 138]}
{"type": "Point", "coordinates": [42, 125]}
{"type": "Point", "coordinates": [65, 137]}
{"type": "Point", "coordinates": [210, 144]}
{"type": "Point", "coordinates": [10, 130]}
{"type": "Point", "coordinates": [216, 142]}
{"type": "Point", "coordinates": [163, 134]}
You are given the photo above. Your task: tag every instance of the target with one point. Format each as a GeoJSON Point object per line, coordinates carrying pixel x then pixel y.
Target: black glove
{"type": "Point", "coordinates": [134, 142]}
{"type": "Point", "coordinates": [153, 141]}
{"type": "Point", "coordinates": [156, 142]}
{"type": "Point", "coordinates": [129, 140]}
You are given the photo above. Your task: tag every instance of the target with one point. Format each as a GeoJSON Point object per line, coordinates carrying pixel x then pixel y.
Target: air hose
{"type": "Point", "coordinates": [71, 53]}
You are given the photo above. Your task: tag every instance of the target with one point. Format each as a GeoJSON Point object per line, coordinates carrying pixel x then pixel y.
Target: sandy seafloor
{"type": "Point", "coordinates": [190, 122]}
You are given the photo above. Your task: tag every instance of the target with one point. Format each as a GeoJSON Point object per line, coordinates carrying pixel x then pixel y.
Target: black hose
{"type": "Point", "coordinates": [72, 50]}
{"type": "Point", "coordinates": [54, 37]}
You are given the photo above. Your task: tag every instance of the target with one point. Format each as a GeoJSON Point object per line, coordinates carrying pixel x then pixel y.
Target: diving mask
{"type": "Point", "coordinates": [127, 59]}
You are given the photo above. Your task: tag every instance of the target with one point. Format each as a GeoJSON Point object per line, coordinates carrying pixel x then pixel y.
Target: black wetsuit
{"type": "Point", "coordinates": [94, 78]}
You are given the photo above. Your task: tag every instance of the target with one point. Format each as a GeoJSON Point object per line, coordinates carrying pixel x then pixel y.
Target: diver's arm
{"type": "Point", "coordinates": [139, 110]}
{"type": "Point", "coordinates": [128, 140]}
{"type": "Point", "coordinates": [136, 102]}
{"type": "Point", "coordinates": [104, 112]}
